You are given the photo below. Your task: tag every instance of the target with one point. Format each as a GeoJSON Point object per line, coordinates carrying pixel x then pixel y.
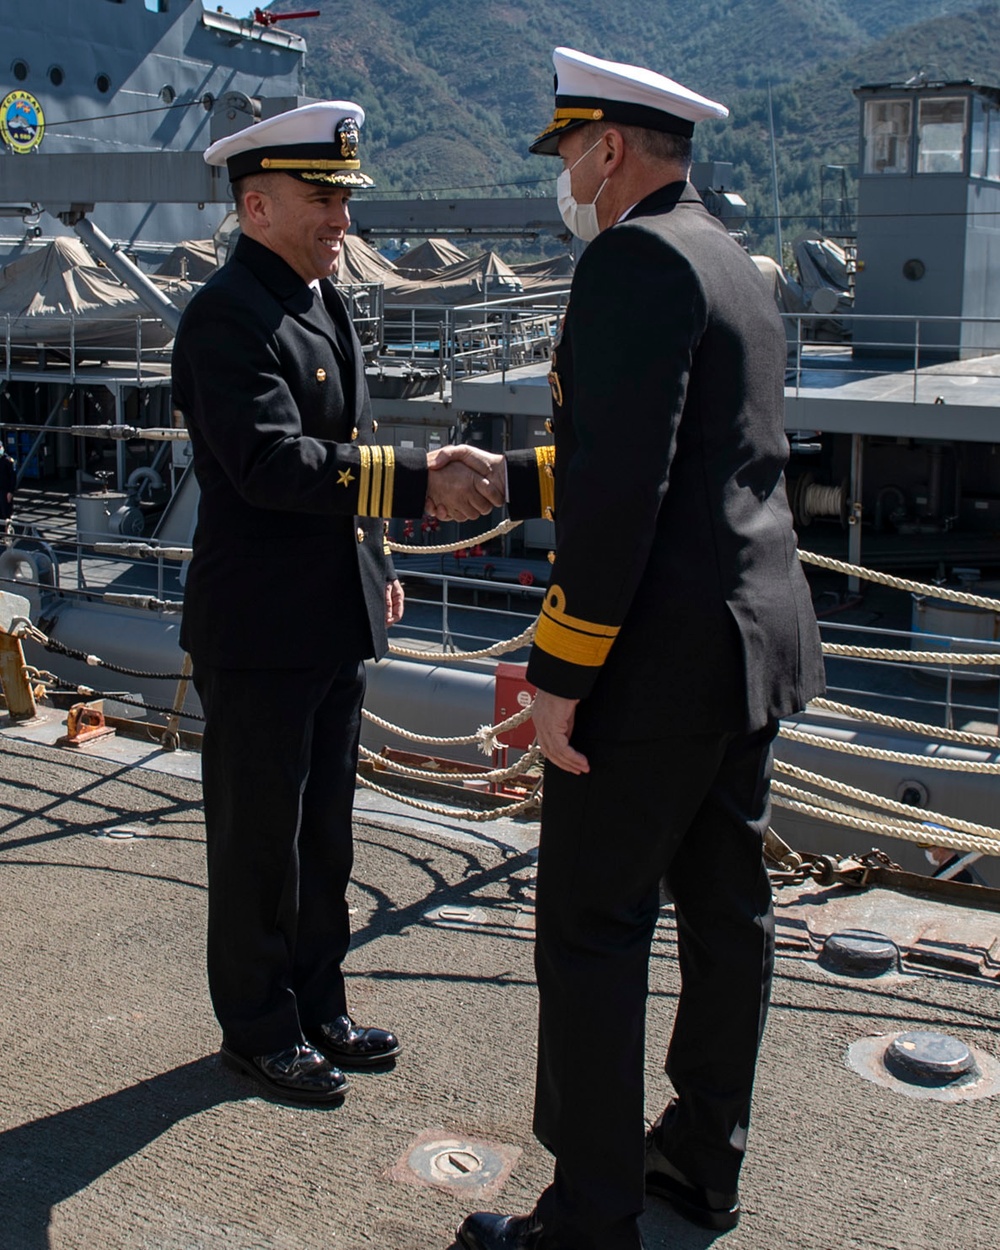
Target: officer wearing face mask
{"type": "Point", "coordinates": [677, 628]}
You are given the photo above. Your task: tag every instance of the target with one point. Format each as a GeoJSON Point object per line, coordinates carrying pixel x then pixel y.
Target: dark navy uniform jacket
{"type": "Point", "coordinates": [676, 601]}
{"type": "Point", "coordinates": [289, 564]}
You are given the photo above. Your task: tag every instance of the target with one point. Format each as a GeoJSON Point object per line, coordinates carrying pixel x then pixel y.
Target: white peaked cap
{"type": "Point", "coordinates": [589, 89]}
{"type": "Point", "coordinates": [317, 143]}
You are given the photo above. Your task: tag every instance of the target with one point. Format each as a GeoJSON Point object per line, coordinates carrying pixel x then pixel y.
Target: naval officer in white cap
{"type": "Point", "coordinates": [676, 629]}
{"type": "Point", "coordinates": [289, 590]}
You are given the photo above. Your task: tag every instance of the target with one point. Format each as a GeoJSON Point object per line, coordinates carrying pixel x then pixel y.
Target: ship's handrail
{"type": "Point", "coordinates": [485, 336]}
{"type": "Point", "coordinates": [851, 347]}
{"type": "Point", "coordinates": [66, 347]}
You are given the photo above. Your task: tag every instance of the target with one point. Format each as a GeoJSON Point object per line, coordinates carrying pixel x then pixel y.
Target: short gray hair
{"type": "Point", "coordinates": [658, 145]}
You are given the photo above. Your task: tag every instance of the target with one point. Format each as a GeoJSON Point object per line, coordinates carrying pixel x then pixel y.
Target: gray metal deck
{"type": "Point", "coordinates": [119, 1129]}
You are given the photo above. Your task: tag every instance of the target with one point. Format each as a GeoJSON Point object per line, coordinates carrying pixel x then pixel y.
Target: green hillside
{"type": "Point", "coordinates": [454, 91]}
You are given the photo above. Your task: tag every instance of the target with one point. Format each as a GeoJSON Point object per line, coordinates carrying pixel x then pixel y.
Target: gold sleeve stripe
{"type": "Point", "coordinates": [375, 504]}
{"type": "Point", "coordinates": [571, 638]}
{"type": "Point", "coordinates": [366, 465]}
{"type": "Point", "coordinates": [390, 476]}
{"type": "Point", "coordinates": [545, 458]}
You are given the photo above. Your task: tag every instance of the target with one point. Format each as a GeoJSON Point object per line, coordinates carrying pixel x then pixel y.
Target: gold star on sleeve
{"type": "Point", "coordinates": [344, 477]}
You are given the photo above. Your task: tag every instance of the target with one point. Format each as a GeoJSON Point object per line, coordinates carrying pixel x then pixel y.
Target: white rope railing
{"type": "Point", "coordinates": [528, 760]}
{"type": "Point", "coordinates": [473, 814]}
{"type": "Point", "coordinates": [900, 583]}
{"type": "Point", "coordinates": [429, 549]}
{"type": "Point", "coordinates": [986, 768]}
{"type": "Point", "coordinates": [910, 813]}
{"type": "Point", "coordinates": [486, 735]}
{"type": "Point", "coordinates": [456, 657]}
{"type": "Point", "coordinates": [965, 736]}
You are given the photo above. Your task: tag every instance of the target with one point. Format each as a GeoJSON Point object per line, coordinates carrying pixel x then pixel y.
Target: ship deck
{"type": "Point", "coordinates": [827, 389]}
{"type": "Point", "coordinates": [119, 1128]}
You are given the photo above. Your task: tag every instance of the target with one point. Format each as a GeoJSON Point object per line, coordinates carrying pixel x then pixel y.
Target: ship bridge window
{"type": "Point", "coordinates": [993, 147]}
{"type": "Point", "coordinates": [986, 144]}
{"type": "Point", "coordinates": [20, 70]}
{"type": "Point", "coordinates": [887, 136]}
{"type": "Point", "coordinates": [941, 136]}
{"type": "Point", "coordinates": [157, 6]}
{"type": "Point", "coordinates": [980, 129]}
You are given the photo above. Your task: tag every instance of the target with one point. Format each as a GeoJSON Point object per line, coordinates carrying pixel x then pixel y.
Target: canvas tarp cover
{"type": "Point", "coordinates": [359, 262]}
{"type": "Point", "coordinates": [193, 259]}
{"type": "Point", "coordinates": [429, 257]}
{"type": "Point", "coordinates": [59, 287]}
{"type": "Point", "coordinates": [546, 275]}
{"type": "Point", "coordinates": [470, 281]}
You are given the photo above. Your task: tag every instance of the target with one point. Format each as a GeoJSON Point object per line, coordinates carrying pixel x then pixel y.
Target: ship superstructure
{"type": "Point", "coordinates": [128, 78]}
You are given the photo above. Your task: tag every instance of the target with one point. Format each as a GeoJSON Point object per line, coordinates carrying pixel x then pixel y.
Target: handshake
{"type": "Point", "coordinates": [464, 483]}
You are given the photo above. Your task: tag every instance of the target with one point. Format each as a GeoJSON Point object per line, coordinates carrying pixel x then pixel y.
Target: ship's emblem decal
{"type": "Point", "coordinates": [347, 136]}
{"type": "Point", "coordinates": [22, 122]}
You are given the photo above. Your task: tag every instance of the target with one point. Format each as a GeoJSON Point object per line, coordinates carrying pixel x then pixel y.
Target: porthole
{"type": "Point", "coordinates": [167, 94]}
{"type": "Point", "coordinates": [20, 70]}
{"type": "Point", "coordinates": [56, 76]}
{"type": "Point", "coordinates": [103, 83]}
{"type": "Point", "coordinates": [914, 270]}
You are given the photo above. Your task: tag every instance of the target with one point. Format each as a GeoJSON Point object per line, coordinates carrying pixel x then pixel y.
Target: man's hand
{"type": "Point", "coordinates": [464, 483]}
{"type": "Point", "coordinates": [554, 717]}
{"type": "Point", "coordinates": [394, 598]}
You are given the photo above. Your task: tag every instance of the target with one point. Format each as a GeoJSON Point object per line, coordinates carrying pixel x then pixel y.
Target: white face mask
{"type": "Point", "coordinates": [580, 219]}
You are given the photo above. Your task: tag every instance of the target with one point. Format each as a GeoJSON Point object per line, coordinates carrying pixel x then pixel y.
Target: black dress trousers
{"type": "Point", "coordinates": [692, 809]}
{"type": "Point", "coordinates": [278, 762]}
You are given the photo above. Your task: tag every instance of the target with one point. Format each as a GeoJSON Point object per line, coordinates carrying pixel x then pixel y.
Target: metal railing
{"type": "Point", "coordinates": [66, 345]}
{"type": "Point", "coordinates": [914, 691]}
{"type": "Point", "coordinates": [863, 346]}
{"type": "Point", "coordinates": [450, 625]}
{"type": "Point", "coordinates": [489, 336]}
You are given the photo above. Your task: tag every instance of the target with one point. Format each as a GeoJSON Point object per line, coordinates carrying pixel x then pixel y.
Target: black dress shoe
{"type": "Point", "coordinates": [343, 1043]}
{"type": "Point", "coordinates": [484, 1231]}
{"type": "Point", "coordinates": [299, 1073]}
{"type": "Point", "coordinates": [708, 1208]}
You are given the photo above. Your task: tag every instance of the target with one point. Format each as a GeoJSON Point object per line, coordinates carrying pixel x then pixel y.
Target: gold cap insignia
{"type": "Point", "coordinates": [347, 136]}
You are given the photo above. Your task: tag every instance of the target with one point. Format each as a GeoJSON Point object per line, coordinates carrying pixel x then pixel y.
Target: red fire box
{"type": "Point", "coordinates": [511, 693]}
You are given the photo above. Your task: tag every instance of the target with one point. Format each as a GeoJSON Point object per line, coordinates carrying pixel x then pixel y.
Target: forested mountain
{"type": "Point", "coordinates": [455, 90]}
